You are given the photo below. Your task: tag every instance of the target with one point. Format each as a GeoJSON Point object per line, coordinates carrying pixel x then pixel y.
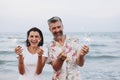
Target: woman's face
{"type": "Point", "coordinates": [34, 38]}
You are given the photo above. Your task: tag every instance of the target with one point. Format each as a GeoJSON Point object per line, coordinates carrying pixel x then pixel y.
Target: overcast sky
{"type": "Point", "coordinates": [77, 15]}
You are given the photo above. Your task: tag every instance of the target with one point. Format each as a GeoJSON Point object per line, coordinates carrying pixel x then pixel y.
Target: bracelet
{"type": "Point", "coordinates": [20, 56]}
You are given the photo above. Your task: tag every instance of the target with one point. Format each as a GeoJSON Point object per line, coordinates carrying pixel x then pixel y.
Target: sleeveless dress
{"type": "Point", "coordinates": [30, 64]}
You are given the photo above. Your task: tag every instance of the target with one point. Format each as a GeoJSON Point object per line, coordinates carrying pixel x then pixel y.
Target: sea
{"type": "Point", "coordinates": [101, 63]}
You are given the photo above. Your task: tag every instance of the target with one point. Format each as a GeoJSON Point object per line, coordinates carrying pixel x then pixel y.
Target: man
{"type": "Point", "coordinates": [65, 54]}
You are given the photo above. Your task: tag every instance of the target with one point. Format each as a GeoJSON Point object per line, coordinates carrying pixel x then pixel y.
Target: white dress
{"type": "Point", "coordinates": [30, 64]}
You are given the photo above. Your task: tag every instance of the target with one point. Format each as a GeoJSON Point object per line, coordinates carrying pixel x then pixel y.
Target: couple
{"type": "Point", "coordinates": [63, 53]}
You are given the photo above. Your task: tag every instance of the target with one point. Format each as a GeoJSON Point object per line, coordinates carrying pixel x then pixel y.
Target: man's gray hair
{"type": "Point", "coordinates": [54, 19]}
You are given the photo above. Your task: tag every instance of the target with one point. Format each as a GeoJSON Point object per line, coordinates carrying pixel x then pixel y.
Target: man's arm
{"type": "Point", "coordinates": [57, 64]}
{"type": "Point", "coordinates": [80, 60]}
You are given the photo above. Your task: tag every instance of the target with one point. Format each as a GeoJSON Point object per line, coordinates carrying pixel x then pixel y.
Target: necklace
{"type": "Point", "coordinates": [32, 50]}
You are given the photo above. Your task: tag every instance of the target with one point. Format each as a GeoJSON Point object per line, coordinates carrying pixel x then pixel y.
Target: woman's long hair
{"type": "Point", "coordinates": [40, 33]}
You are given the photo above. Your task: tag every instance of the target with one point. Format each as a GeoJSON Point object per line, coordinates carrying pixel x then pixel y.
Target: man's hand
{"type": "Point", "coordinates": [84, 50]}
{"type": "Point", "coordinates": [62, 56]}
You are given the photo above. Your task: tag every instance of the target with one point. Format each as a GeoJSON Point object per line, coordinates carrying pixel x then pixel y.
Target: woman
{"type": "Point", "coordinates": [32, 57]}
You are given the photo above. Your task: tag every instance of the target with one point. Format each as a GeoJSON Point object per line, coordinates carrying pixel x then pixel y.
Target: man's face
{"type": "Point", "coordinates": [56, 29]}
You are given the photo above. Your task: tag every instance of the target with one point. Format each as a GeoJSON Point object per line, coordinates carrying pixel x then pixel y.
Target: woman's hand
{"type": "Point", "coordinates": [40, 52]}
{"type": "Point", "coordinates": [18, 50]}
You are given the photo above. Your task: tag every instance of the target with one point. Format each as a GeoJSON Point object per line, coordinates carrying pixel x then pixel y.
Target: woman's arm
{"type": "Point", "coordinates": [40, 64]}
{"type": "Point", "coordinates": [18, 51]}
{"type": "Point", "coordinates": [21, 65]}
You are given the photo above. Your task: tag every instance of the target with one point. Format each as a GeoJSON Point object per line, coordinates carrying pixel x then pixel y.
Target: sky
{"type": "Point", "coordinates": [77, 15]}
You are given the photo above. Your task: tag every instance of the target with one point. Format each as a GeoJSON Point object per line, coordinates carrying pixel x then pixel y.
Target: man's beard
{"type": "Point", "coordinates": [58, 37]}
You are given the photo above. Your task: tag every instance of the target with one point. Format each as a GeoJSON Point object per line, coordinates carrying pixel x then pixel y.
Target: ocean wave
{"type": "Point", "coordinates": [2, 62]}
{"type": "Point", "coordinates": [7, 61]}
{"type": "Point", "coordinates": [7, 56]}
{"type": "Point", "coordinates": [6, 52]}
{"type": "Point", "coordinates": [98, 45]}
{"type": "Point", "coordinates": [102, 56]}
